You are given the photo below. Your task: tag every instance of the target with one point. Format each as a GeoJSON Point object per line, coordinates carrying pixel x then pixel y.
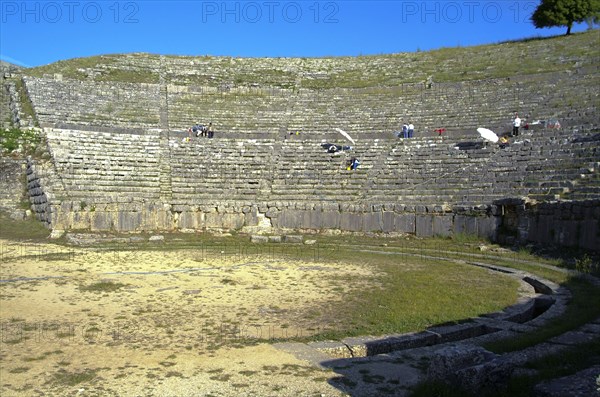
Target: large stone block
{"type": "Point", "coordinates": [330, 220]}
{"type": "Point", "coordinates": [424, 225]}
{"type": "Point", "coordinates": [569, 233]}
{"type": "Point", "coordinates": [590, 236]}
{"type": "Point", "coordinates": [387, 220]}
{"type": "Point", "coordinates": [128, 221]}
{"type": "Point", "coordinates": [60, 219]}
{"type": "Point", "coordinates": [190, 220]}
{"type": "Point", "coordinates": [465, 224]}
{"type": "Point", "coordinates": [287, 219]}
{"type": "Point", "coordinates": [224, 221]}
{"type": "Point", "coordinates": [80, 220]}
{"type": "Point", "coordinates": [313, 220]}
{"type": "Point", "coordinates": [488, 227]}
{"type": "Point", "coordinates": [351, 221]}
{"type": "Point", "coordinates": [442, 225]}
{"type": "Point", "coordinates": [163, 219]}
{"type": "Point", "coordinates": [405, 223]}
{"type": "Point", "coordinates": [372, 222]}
{"type": "Point", "coordinates": [101, 221]}
{"type": "Point", "coordinates": [542, 229]}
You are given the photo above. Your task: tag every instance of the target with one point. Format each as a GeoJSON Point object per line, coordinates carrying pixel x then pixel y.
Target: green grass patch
{"type": "Point", "coordinates": [19, 370]}
{"type": "Point", "coordinates": [66, 378]}
{"type": "Point", "coordinates": [102, 286]}
{"type": "Point", "coordinates": [14, 138]}
{"type": "Point", "coordinates": [25, 230]}
{"type": "Point", "coordinates": [26, 105]}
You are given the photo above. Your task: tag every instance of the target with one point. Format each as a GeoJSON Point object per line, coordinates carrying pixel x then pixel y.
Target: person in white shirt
{"type": "Point", "coordinates": [516, 125]}
{"type": "Point", "coordinates": [411, 130]}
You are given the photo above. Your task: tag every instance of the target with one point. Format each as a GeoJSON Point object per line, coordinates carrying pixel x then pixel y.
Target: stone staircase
{"type": "Point", "coordinates": [6, 118]}
{"type": "Point", "coordinates": [164, 157]}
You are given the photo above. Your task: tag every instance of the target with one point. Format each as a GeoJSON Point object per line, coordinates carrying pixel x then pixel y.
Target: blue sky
{"type": "Point", "coordinates": [34, 33]}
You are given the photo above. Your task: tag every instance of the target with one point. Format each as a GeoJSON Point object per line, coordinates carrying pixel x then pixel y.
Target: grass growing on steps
{"type": "Point", "coordinates": [26, 105]}
{"type": "Point", "coordinates": [13, 138]}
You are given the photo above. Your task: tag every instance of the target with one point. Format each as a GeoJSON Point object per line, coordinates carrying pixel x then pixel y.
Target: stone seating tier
{"type": "Point", "coordinates": [116, 167]}
{"type": "Point", "coordinates": [98, 166]}
{"type": "Point", "coordinates": [464, 105]}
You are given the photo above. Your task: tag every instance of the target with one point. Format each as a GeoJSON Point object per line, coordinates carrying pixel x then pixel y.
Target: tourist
{"type": "Point", "coordinates": [405, 130]}
{"type": "Point", "coordinates": [354, 163]}
{"type": "Point", "coordinates": [503, 142]}
{"type": "Point", "coordinates": [209, 130]}
{"type": "Point", "coordinates": [411, 129]}
{"type": "Point", "coordinates": [516, 125]}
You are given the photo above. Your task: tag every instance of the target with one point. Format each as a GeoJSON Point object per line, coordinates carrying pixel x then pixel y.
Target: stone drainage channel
{"type": "Point", "coordinates": [453, 353]}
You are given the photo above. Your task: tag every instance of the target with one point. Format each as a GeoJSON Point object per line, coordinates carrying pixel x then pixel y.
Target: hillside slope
{"type": "Point", "coordinates": [444, 65]}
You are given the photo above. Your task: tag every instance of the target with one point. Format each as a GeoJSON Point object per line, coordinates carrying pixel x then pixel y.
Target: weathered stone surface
{"type": "Point", "coordinates": [405, 223]}
{"type": "Point", "coordinates": [224, 221]}
{"type": "Point", "coordinates": [424, 225]}
{"type": "Point", "coordinates": [584, 383]}
{"type": "Point", "coordinates": [351, 221]}
{"type": "Point", "coordinates": [372, 221]}
{"type": "Point", "coordinates": [487, 376]}
{"type": "Point", "coordinates": [387, 221]}
{"type": "Point", "coordinates": [464, 224]}
{"type": "Point", "coordinates": [156, 238]}
{"type": "Point", "coordinates": [332, 348]}
{"type": "Point", "coordinates": [446, 362]}
{"type": "Point", "coordinates": [259, 239]}
{"type": "Point", "coordinates": [442, 225]}
{"type": "Point", "coordinates": [573, 338]}
{"type": "Point", "coordinates": [56, 234]}
{"type": "Point", "coordinates": [330, 219]}
{"type": "Point", "coordinates": [129, 221]}
{"type": "Point", "coordinates": [190, 220]}
{"type": "Point", "coordinates": [294, 239]}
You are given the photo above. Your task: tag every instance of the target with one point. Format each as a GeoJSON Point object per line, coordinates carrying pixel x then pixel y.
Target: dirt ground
{"type": "Point", "coordinates": [78, 321]}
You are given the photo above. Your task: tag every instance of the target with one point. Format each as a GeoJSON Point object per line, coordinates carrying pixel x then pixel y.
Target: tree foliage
{"type": "Point", "coordinates": [552, 13]}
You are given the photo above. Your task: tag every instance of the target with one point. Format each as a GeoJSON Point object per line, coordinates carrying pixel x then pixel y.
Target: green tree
{"type": "Point", "coordinates": [564, 13]}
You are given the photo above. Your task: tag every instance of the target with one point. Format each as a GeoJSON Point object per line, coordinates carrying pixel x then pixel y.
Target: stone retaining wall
{"type": "Point", "coordinates": [569, 224]}
{"type": "Point", "coordinates": [271, 217]}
